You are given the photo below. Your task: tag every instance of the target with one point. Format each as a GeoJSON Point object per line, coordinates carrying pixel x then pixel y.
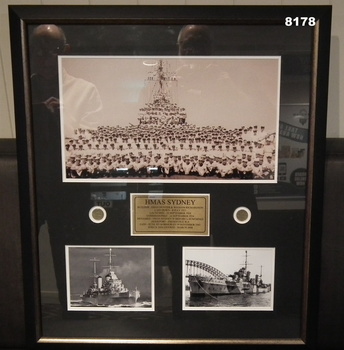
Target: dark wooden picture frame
{"type": "Point", "coordinates": [286, 216]}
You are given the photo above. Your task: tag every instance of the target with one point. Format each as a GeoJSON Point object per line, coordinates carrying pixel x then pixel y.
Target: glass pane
{"type": "Point", "coordinates": [75, 243]}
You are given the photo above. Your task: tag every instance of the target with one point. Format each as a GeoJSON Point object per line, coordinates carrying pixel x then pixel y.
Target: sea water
{"type": "Point", "coordinates": [261, 300]}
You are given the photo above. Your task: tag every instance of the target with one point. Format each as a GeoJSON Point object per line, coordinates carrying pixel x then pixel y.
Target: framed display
{"type": "Point", "coordinates": [171, 165]}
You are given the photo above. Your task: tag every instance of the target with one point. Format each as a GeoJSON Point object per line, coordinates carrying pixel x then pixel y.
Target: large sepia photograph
{"type": "Point", "coordinates": [169, 119]}
{"type": "Point", "coordinates": [228, 279]}
{"type": "Point", "coordinates": [110, 278]}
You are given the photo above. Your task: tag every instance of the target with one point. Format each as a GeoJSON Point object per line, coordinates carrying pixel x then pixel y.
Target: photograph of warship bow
{"type": "Point", "coordinates": [244, 288]}
{"type": "Point", "coordinates": [105, 288]}
{"type": "Point", "coordinates": [170, 119]}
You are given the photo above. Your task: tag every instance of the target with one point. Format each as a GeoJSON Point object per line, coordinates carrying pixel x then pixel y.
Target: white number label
{"type": "Point", "coordinates": [299, 21]}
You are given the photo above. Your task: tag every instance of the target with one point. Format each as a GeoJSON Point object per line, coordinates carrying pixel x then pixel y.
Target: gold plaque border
{"type": "Point", "coordinates": [165, 196]}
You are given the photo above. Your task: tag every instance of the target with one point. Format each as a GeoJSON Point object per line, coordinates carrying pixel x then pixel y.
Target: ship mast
{"type": "Point", "coordinates": [161, 76]}
{"type": "Point", "coordinates": [246, 261]}
{"type": "Point", "coordinates": [110, 255]}
{"type": "Point", "coordinates": [162, 107]}
{"type": "Point", "coordinates": [94, 260]}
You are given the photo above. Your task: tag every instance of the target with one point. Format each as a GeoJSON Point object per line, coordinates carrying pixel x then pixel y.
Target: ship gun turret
{"type": "Point", "coordinates": [107, 288]}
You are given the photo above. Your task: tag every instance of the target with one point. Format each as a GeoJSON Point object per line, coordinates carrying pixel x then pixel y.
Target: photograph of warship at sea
{"type": "Point", "coordinates": [228, 278]}
{"type": "Point", "coordinates": [110, 278]}
{"type": "Point", "coordinates": [169, 119]}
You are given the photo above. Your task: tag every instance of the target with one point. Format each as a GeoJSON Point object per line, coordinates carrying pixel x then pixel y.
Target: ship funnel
{"type": "Point", "coordinates": [99, 281]}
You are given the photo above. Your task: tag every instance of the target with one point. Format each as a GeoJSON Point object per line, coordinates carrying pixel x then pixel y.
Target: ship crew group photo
{"type": "Point", "coordinates": [162, 143]}
{"type": "Point", "coordinates": [171, 151]}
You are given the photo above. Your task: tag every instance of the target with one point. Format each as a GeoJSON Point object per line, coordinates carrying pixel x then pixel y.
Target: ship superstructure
{"type": "Point", "coordinates": [108, 288]}
{"type": "Point", "coordinates": [162, 108]}
{"type": "Point", "coordinates": [206, 280]}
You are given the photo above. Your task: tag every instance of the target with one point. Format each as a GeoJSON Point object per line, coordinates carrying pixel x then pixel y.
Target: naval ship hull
{"type": "Point", "coordinates": [207, 286]}
{"type": "Point", "coordinates": [111, 299]}
{"type": "Point", "coordinates": [202, 286]}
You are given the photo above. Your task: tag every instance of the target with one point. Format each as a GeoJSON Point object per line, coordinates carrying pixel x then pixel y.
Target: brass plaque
{"type": "Point", "coordinates": [170, 214]}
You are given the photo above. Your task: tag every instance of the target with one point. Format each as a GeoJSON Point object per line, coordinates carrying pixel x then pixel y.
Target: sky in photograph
{"type": "Point", "coordinates": [217, 91]}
